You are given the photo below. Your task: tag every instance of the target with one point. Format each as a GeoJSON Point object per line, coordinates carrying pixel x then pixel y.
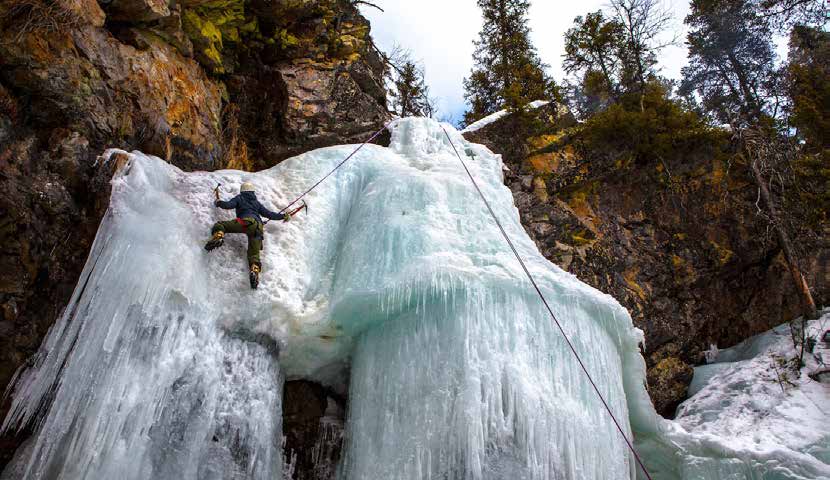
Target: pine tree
{"type": "Point", "coordinates": [410, 94]}
{"type": "Point", "coordinates": [731, 60]}
{"type": "Point", "coordinates": [592, 49]}
{"type": "Point", "coordinates": [732, 68]}
{"type": "Point", "coordinates": [808, 87]}
{"type": "Point", "coordinates": [507, 73]}
{"type": "Point", "coordinates": [643, 23]}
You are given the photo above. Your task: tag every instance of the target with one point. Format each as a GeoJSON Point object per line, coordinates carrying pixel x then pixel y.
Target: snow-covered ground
{"type": "Point", "coordinates": [752, 415]}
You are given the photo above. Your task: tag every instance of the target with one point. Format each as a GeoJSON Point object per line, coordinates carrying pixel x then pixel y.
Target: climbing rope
{"type": "Point", "coordinates": [521, 262]}
{"type": "Point", "coordinates": [544, 301]}
{"type": "Point", "coordinates": [374, 136]}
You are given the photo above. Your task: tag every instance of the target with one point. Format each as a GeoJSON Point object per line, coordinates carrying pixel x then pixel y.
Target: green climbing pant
{"type": "Point", "coordinates": [250, 227]}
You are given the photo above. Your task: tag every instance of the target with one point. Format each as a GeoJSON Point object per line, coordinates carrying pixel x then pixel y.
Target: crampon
{"type": "Point", "coordinates": [254, 276]}
{"type": "Point", "coordinates": [216, 241]}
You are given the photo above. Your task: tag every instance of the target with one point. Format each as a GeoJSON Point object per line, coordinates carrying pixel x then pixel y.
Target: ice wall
{"type": "Point", "coordinates": [138, 381]}
{"type": "Point", "coordinates": [165, 363]}
{"type": "Point", "coordinates": [466, 377]}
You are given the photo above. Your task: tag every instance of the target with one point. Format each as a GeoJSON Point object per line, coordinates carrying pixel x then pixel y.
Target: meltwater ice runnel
{"type": "Point", "coordinates": [396, 280]}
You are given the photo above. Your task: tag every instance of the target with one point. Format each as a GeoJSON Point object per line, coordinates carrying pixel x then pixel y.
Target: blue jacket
{"type": "Point", "coordinates": [247, 205]}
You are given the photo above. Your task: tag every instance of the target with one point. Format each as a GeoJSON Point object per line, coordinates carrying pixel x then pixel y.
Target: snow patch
{"type": "Point", "coordinates": [478, 125]}
{"type": "Point", "coordinates": [752, 414]}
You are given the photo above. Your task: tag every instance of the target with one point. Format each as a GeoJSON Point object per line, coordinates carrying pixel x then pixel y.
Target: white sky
{"type": "Point", "coordinates": [441, 33]}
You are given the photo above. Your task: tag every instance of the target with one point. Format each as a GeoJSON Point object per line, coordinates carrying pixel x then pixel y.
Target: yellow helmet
{"type": "Point", "coordinates": [247, 187]}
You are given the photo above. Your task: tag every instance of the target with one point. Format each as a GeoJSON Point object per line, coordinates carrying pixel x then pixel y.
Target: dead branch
{"type": "Point", "coordinates": [368, 4]}
{"type": "Point", "coordinates": [40, 15]}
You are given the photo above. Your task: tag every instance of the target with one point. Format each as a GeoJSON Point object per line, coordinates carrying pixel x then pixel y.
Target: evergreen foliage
{"type": "Point", "coordinates": [615, 54]}
{"type": "Point", "coordinates": [808, 88]}
{"type": "Point", "coordinates": [507, 73]}
{"type": "Point", "coordinates": [663, 129]}
{"type": "Point", "coordinates": [410, 94]}
{"type": "Point", "coordinates": [731, 61]}
{"type": "Point", "coordinates": [592, 49]}
{"type": "Point", "coordinates": [782, 15]}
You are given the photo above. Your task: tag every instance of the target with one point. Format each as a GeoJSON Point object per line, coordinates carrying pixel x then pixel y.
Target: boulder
{"type": "Point", "coordinates": [305, 104]}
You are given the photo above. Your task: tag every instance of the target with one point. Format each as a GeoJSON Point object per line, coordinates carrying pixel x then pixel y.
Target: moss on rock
{"type": "Point", "coordinates": [668, 381]}
{"type": "Point", "coordinates": [211, 26]}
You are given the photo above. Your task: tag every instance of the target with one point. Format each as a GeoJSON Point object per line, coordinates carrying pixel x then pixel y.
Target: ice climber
{"type": "Point", "coordinates": [248, 221]}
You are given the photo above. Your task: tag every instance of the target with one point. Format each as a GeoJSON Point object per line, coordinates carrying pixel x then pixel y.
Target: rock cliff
{"type": "Point", "coordinates": [205, 84]}
{"type": "Point", "coordinates": [680, 243]}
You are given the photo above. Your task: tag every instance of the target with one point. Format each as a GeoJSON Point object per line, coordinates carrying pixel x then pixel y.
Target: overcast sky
{"type": "Point", "coordinates": [441, 33]}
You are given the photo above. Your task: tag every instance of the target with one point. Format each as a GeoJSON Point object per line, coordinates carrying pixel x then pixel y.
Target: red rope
{"type": "Point", "coordinates": [539, 291]}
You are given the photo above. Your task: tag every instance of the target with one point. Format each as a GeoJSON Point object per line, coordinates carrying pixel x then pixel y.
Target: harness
{"type": "Point", "coordinates": [259, 231]}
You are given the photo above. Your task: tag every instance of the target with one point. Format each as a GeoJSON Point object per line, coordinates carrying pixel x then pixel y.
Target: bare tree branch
{"type": "Point", "coordinates": [368, 4]}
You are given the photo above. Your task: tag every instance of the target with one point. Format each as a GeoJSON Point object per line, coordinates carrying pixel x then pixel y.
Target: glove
{"type": "Point", "coordinates": [216, 203]}
{"type": "Point", "coordinates": [287, 217]}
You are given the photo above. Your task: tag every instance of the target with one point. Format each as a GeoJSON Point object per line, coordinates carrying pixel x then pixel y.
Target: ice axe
{"type": "Point", "coordinates": [216, 191]}
{"type": "Point", "coordinates": [304, 206]}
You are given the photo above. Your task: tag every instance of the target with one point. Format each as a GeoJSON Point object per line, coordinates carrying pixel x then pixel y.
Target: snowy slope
{"type": "Point", "coordinates": [763, 415]}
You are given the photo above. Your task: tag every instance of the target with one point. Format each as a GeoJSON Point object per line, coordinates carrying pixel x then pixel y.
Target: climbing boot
{"type": "Point", "coordinates": [254, 275]}
{"type": "Point", "coordinates": [216, 241]}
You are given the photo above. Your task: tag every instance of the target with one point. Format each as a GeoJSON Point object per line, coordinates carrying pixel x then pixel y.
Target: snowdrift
{"type": "Point", "coordinates": [752, 414]}
{"type": "Point", "coordinates": [166, 365]}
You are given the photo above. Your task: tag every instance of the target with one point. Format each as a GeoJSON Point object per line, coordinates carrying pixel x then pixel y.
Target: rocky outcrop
{"type": "Point", "coordinates": [679, 243]}
{"type": "Point", "coordinates": [204, 84]}
{"type": "Point", "coordinates": [313, 427]}
{"type": "Point", "coordinates": [87, 81]}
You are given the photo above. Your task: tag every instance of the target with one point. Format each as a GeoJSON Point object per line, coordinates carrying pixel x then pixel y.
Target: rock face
{"type": "Point", "coordinates": [313, 421]}
{"type": "Point", "coordinates": [204, 84]}
{"type": "Point", "coordinates": [685, 251]}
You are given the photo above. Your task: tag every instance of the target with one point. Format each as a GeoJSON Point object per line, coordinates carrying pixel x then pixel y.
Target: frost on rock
{"type": "Point", "coordinates": [166, 365]}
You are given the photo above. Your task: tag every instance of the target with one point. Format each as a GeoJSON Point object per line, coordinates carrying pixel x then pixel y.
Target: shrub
{"type": "Point", "coordinates": [663, 129]}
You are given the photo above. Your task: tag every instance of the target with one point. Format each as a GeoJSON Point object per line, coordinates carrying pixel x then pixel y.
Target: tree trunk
{"type": "Point", "coordinates": [750, 99]}
{"type": "Point", "coordinates": [600, 58]}
{"type": "Point", "coordinates": [642, 78]}
{"type": "Point", "coordinates": [807, 303]}
{"type": "Point", "coordinates": [505, 55]}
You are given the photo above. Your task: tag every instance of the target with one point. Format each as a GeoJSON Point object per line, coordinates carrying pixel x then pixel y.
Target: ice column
{"type": "Point", "coordinates": [141, 381]}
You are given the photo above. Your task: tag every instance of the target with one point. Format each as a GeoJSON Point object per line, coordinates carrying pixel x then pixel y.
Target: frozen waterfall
{"type": "Point", "coordinates": [165, 364]}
